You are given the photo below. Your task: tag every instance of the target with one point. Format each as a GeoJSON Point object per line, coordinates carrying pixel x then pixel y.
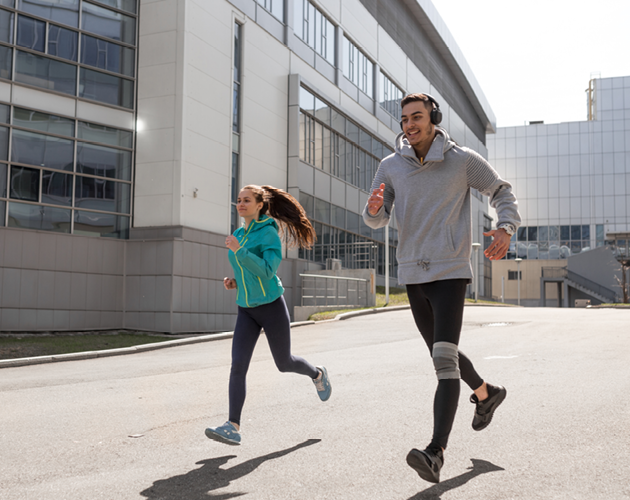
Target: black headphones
{"type": "Point", "coordinates": [436, 114]}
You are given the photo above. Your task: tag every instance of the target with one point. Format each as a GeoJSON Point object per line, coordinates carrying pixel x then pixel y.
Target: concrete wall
{"type": "Point", "coordinates": [531, 271]}
{"type": "Point", "coordinates": [598, 265]}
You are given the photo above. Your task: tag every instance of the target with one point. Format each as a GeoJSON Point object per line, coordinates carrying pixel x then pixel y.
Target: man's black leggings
{"type": "Point", "coordinates": [274, 318]}
{"type": "Point", "coordinates": [438, 310]}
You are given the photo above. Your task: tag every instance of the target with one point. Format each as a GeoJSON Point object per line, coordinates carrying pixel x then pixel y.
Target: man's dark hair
{"type": "Point", "coordinates": [416, 97]}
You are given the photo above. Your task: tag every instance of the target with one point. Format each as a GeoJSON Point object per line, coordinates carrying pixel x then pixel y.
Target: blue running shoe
{"type": "Point", "coordinates": [322, 384]}
{"type": "Point", "coordinates": [225, 433]}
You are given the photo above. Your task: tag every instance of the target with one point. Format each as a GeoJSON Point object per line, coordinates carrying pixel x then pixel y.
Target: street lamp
{"type": "Point", "coordinates": [518, 277]}
{"type": "Point", "coordinates": [476, 270]}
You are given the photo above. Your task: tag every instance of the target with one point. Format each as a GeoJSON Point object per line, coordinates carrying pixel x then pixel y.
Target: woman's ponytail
{"type": "Point", "coordinates": [288, 212]}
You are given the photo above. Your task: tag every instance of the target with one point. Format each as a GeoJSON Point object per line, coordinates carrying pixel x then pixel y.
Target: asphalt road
{"type": "Point", "coordinates": [132, 427]}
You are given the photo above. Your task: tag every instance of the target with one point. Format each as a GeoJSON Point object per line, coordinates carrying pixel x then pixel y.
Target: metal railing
{"type": "Point", "coordinates": [322, 290]}
{"type": "Point", "coordinates": [591, 285]}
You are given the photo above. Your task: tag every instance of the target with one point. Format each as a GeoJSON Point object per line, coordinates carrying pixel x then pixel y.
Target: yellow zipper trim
{"type": "Point", "coordinates": [243, 277]}
{"type": "Point", "coordinates": [261, 286]}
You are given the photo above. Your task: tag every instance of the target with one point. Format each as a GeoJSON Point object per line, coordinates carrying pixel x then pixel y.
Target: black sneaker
{"type": "Point", "coordinates": [484, 409]}
{"type": "Point", "coordinates": [427, 463]}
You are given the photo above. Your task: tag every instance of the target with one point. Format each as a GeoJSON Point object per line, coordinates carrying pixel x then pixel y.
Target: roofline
{"type": "Point", "coordinates": [435, 28]}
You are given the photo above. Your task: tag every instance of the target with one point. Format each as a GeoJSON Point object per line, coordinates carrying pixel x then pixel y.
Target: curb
{"type": "Point", "coordinates": [76, 356]}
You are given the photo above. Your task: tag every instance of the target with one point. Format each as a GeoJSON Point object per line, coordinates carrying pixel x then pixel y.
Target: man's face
{"type": "Point", "coordinates": [416, 123]}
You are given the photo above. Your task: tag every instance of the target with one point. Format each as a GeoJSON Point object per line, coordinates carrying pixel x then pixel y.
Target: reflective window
{"type": "Point", "coordinates": [6, 61]}
{"type": "Point", "coordinates": [107, 55]}
{"type": "Point", "coordinates": [4, 143]}
{"type": "Point", "coordinates": [106, 135]}
{"type": "Point", "coordinates": [62, 42]}
{"type": "Point", "coordinates": [101, 194]}
{"type": "Point", "coordinates": [127, 5]}
{"type": "Point", "coordinates": [353, 222]}
{"type": "Point", "coordinates": [56, 188]}
{"type": "Point", "coordinates": [390, 97]}
{"type": "Point", "coordinates": [315, 29]}
{"type": "Point", "coordinates": [31, 33]}
{"type": "Point", "coordinates": [307, 202]}
{"type": "Point", "coordinates": [2, 212]}
{"type": "Point", "coordinates": [3, 183]}
{"type": "Point", "coordinates": [45, 73]}
{"type": "Point", "coordinates": [62, 11]}
{"type": "Point", "coordinates": [39, 217]}
{"type": "Point", "coordinates": [106, 88]}
{"type": "Point", "coordinates": [6, 26]}
{"type": "Point", "coordinates": [276, 7]}
{"type": "Point", "coordinates": [43, 122]}
{"type": "Point", "coordinates": [105, 225]}
{"type": "Point", "coordinates": [339, 217]}
{"type": "Point", "coordinates": [24, 184]}
{"type": "Point", "coordinates": [42, 150]}
{"type": "Point", "coordinates": [357, 67]}
{"type": "Point", "coordinates": [322, 211]}
{"type": "Point", "coordinates": [8, 3]}
{"type": "Point", "coordinates": [103, 161]}
{"type": "Point", "coordinates": [108, 23]}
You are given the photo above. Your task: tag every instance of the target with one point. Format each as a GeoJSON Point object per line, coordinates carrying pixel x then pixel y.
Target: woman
{"type": "Point", "coordinates": [255, 252]}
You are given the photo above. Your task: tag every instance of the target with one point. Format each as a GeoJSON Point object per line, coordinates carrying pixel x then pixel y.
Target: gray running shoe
{"type": "Point", "coordinates": [322, 384]}
{"type": "Point", "coordinates": [427, 463]}
{"type": "Point", "coordinates": [485, 409]}
{"type": "Point", "coordinates": [225, 433]}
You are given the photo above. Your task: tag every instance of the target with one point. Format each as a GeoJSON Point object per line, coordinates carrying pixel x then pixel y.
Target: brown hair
{"type": "Point", "coordinates": [288, 212]}
{"type": "Point", "coordinates": [414, 98]}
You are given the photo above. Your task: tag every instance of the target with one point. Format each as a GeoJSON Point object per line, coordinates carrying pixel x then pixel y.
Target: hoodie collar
{"type": "Point", "coordinates": [440, 145]}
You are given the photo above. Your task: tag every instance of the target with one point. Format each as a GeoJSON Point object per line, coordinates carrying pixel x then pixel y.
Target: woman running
{"type": "Point", "coordinates": [255, 252]}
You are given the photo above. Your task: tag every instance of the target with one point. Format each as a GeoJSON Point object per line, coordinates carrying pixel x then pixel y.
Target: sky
{"type": "Point", "coordinates": [533, 59]}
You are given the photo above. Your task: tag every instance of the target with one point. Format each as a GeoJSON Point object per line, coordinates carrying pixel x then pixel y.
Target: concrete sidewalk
{"type": "Point", "coordinates": [131, 427]}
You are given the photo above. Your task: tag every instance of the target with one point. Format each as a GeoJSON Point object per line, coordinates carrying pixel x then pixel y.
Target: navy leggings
{"type": "Point", "coordinates": [274, 318]}
{"type": "Point", "coordinates": [438, 310]}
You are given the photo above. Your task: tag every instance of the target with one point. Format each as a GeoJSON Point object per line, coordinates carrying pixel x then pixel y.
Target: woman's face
{"type": "Point", "coordinates": [247, 205]}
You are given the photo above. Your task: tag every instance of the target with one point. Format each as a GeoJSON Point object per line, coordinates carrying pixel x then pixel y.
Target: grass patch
{"type": "Point", "coordinates": [26, 346]}
{"type": "Point", "coordinates": [397, 297]}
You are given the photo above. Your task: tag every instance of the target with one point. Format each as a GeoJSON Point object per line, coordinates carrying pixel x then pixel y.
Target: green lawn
{"type": "Point", "coordinates": [26, 346]}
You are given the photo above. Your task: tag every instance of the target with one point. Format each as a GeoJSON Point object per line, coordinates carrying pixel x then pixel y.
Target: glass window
{"type": "Point", "coordinates": [105, 225]}
{"type": "Point", "coordinates": [322, 211]}
{"type": "Point", "coordinates": [532, 233]}
{"type": "Point", "coordinates": [106, 135]}
{"type": "Point", "coordinates": [322, 111]}
{"type": "Point", "coordinates": [315, 29]}
{"type": "Point", "coordinates": [565, 233]}
{"type": "Point", "coordinates": [42, 150]}
{"type": "Point", "coordinates": [126, 5]}
{"type": "Point", "coordinates": [390, 97]}
{"type": "Point", "coordinates": [339, 217]}
{"type": "Point", "coordinates": [6, 26]}
{"type": "Point", "coordinates": [62, 11]}
{"type": "Point", "coordinates": [39, 217]}
{"type": "Point", "coordinates": [3, 204]}
{"type": "Point", "coordinates": [107, 55]}
{"type": "Point", "coordinates": [103, 161]}
{"type": "Point", "coordinates": [554, 233]}
{"type": "Point", "coordinates": [6, 62]}
{"type": "Point", "coordinates": [62, 42]}
{"type": "Point", "coordinates": [338, 121]}
{"type": "Point", "coordinates": [543, 233]}
{"type": "Point", "coordinates": [586, 232]}
{"type": "Point", "coordinates": [106, 88]}
{"type": "Point", "coordinates": [352, 221]}
{"type": "Point", "coordinates": [101, 194]}
{"type": "Point", "coordinates": [56, 188]}
{"type": "Point", "coordinates": [307, 101]}
{"type": "Point", "coordinates": [108, 23]}
{"type": "Point", "coordinates": [4, 143]}
{"type": "Point", "coordinates": [366, 140]}
{"type": "Point", "coordinates": [522, 233]}
{"type": "Point", "coordinates": [3, 183]}
{"type": "Point", "coordinates": [8, 3]}
{"type": "Point", "coordinates": [31, 33]}
{"type": "Point", "coordinates": [235, 186]}
{"type": "Point", "coordinates": [276, 7]}
{"type": "Point", "coordinates": [43, 122]}
{"type": "Point", "coordinates": [306, 200]}
{"type": "Point", "coordinates": [24, 184]}
{"type": "Point", "coordinates": [45, 73]}
{"type": "Point", "coordinates": [576, 233]}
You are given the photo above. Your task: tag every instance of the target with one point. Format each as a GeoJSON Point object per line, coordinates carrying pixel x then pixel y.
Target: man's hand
{"type": "Point", "coordinates": [229, 283]}
{"type": "Point", "coordinates": [232, 243]}
{"type": "Point", "coordinates": [499, 246]}
{"type": "Point", "coordinates": [375, 201]}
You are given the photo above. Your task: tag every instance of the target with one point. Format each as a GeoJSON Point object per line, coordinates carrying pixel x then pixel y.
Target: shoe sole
{"type": "Point", "coordinates": [500, 400]}
{"type": "Point", "coordinates": [418, 462]}
{"type": "Point", "coordinates": [221, 439]}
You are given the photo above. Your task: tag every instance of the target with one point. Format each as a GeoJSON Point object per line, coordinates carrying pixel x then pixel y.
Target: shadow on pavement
{"type": "Point", "coordinates": [436, 491]}
{"type": "Point", "coordinates": [198, 483]}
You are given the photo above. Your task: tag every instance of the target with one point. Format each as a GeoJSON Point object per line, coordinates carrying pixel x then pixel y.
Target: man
{"type": "Point", "coordinates": [429, 177]}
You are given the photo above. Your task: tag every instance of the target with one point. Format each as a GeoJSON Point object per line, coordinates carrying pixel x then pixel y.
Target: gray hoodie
{"type": "Point", "coordinates": [432, 203]}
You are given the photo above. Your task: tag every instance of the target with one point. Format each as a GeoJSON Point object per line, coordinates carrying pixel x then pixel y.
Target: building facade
{"type": "Point", "coordinates": [572, 180]}
{"type": "Point", "coordinates": [127, 128]}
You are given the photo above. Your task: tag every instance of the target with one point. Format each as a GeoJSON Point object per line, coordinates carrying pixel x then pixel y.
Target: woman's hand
{"type": "Point", "coordinates": [229, 283]}
{"type": "Point", "coordinates": [232, 243]}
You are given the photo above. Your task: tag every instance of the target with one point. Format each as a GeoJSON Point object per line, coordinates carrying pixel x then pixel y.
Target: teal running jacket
{"type": "Point", "coordinates": [255, 264]}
